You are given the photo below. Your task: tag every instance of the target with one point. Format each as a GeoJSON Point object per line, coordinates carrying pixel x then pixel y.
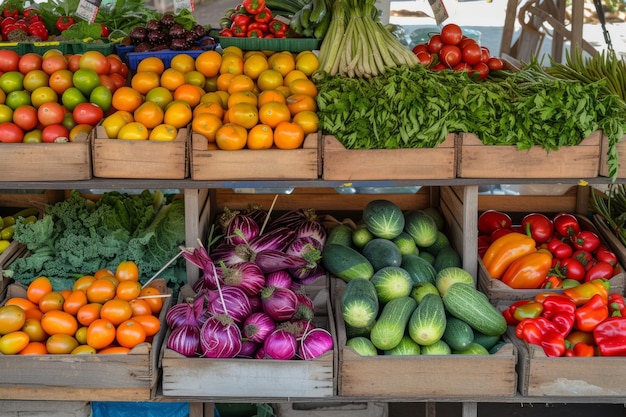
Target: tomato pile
{"type": "Point", "coordinates": [451, 49]}
{"type": "Point", "coordinates": [54, 97]}
{"type": "Point", "coordinates": [107, 312]}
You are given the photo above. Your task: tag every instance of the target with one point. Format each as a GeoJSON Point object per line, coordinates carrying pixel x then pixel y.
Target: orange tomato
{"type": "Point", "coordinates": [254, 65]}
{"type": "Point", "coordinates": [308, 120]}
{"type": "Point", "coordinates": [61, 344]}
{"type": "Point", "coordinates": [95, 61]}
{"type": "Point", "coordinates": [114, 350]}
{"type": "Point", "coordinates": [100, 334]}
{"type": "Point", "coordinates": [282, 62]}
{"type": "Point", "coordinates": [206, 124]}
{"type": "Point", "coordinates": [231, 136]}
{"type": "Point", "coordinates": [232, 63]}
{"type": "Point", "coordinates": [50, 113]}
{"type": "Point", "coordinates": [52, 301]}
{"type": "Point", "coordinates": [209, 63]}
{"type": "Point", "coordinates": [101, 291]}
{"type": "Point", "coordinates": [116, 311]}
{"type": "Point", "coordinates": [301, 102]}
{"type": "Point", "coordinates": [215, 109]}
{"type": "Point", "coordinates": [128, 290]}
{"type": "Point", "coordinates": [38, 288]}
{"type": "Point", "coordinates": [35, 79]}
{"type": "Point", "coordinates": [149, 114]}
{"type": "Point", "coordinates": [178, 114]}
{"type": "Point", "coordinates": [107, 272]}
{"type": "Point", "coordinates": [59, 322]}
{"type": "Point", "coordinates": [33, 328]}
{"type": "Point", "coordinates": [243, 114]}
{"type": "Point", "coordinates": [307, 62]}
{"type": "Point", "coordinates": [130, 333]}
{"type": "Point", "coordinates": [172, 79]}
{"type": "Point", "coordinates": [145, 81]}
{"type": "Point", "coordinates": [183, 62]}
{"type": "Point", "coordinates": [22, 302]}
{"type": "Point", "coordinates": [78, 130]}
{"type": "Point", "coordinates": [163, 132]}
{"type": "Point", "coordinates": [292, 76]}
{"type": "Point", "coordinates": [81, 335]}
{"type": "Point", "coordinates": [88, 313]}
{"type": "Point", "coordinates": [151, 64]}
{"type": "Point", "coordinates": [273, 113]}
{"type": "Point", "coordinates": [266, 96]}
{"type": "Point", "coordinates": [223, 81]}
{"type": "Point", "coordinates": [303, 86]}
{"type": "Point", "coordinates": [54, 63]}
{"type": "Point", "coordinates": [12, 343]}
{"type": "Point", "coordinates": [33, 313]}
{"type": "Point", "coordinates": [288, 135]}
{"type": "Point", "coordinates": [269, 80]}
{"type": "Point", "coordinates": [75, 301]}
{"type": "Point", "coordinates": [153, 297]}
{"type": "Point", "coordinates": [240, 82]}
{"type": "Point", "coordinates": [242, 97]}
{"type": "Point", "coordinates": [34, 348]}
{"type": "Point", "coordinates": [260, 136]}
{"type": "Point", "coordinates": [189, 93]}
{"type": "Point", "coordinates": [150, 323]}
{"type": "Point", "coordinates": [195, 78]}
{"type": "Point", "coordinates": [127, 99]}
{"type": "Point", "coordinates": [114, 122]}
{"type": "Point", "coordinates": [29, 62]}
{"type": "Point", "coordinates": [12, 318]}
{"type": "Point", "coordinates": [134, 131]}
{"type": "Point", "coordinates": [61, 80]}
{"type": "Point", "coordinates": [83, 349]}
{"type": "Point", "coordinates": [83, 282]}
{"type": "Point", "coordinates": [161, 96]}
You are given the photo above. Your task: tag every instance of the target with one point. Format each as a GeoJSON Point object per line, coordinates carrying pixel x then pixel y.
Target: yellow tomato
{"type": "Point", "coordinates": [133, 131]}
{"type": "Point", "coordinates": [114, 122]}
{"type": "Point", "coordinates": [163, 132]}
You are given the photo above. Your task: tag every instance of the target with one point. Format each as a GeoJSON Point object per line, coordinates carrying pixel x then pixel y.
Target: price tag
{"type": "Point", "coordinates": [88, 9]}
{"type": "Point", "coordinates": [439, 10]}
{"type": "Point", "coordinates": [180, 5]}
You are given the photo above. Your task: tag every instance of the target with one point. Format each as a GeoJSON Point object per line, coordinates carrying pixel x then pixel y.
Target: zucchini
{"type": "Point", "coordinates": [363, 346]}
{"type": "Point", "coordinates": [448, 276]}
{"type": "Point", "coordinates": [458, 335]}
{"type": "Point", "coordinates": [340, 234]}
{"type": "Point", "coordinates": [359, 303]}
{"type": "Point", "coordinates": [381, 253]}
{"type": "Point", "coordinates": [391, 282]}
{"type": "Point", "coordinates": [447, 257]}
{"type": "Point", "coordinates": [418, 268]}
{"type": "Point", "coordinates": [407, 346]}
{"type": "Point", "coordinates": [438, 348]}
{"type": "Point", "coordinates": [345, 262]}
{"type": "Point", "coordinates": [383, 218]}
{"type": "Point", "coordinates": [421, 227]}
{"type": "Point", "coordinates": [391, 325]}
{"type": "Point", "coordinates": [428, 321]}
{"type": "Point", "coordinates": [465, 302]}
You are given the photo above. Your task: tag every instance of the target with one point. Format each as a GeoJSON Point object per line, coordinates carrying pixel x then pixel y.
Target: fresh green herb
{"type": "Point", "coordinates": [82, 31]}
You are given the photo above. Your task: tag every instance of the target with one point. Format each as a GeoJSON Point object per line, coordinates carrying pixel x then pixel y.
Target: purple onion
{"type": "Point", "coordinates": [277, 239]}
{"type": "Point", "coordinates": [260, 353]}
{"type": "Point", "coordinates": [209, 279]}
{"type": "Point", "coordinates": [257, 326]}
{"type": "Point", "coordinates": [235, 303]}
{"type": "Point", "coordinates": [186, 313]}
{"type": "Point", "coordinates": [184, 339]}
{"type": "Point", "coordinates": [306, 308]}
{"type": "Point", "coordinates": [255, 303]}
{"type": "Point", "coordinates": [198, 257]}
{"type": "Point", "coordinates": [297, 327]}
{"type": "Point", "coordinates": [308, 276]}
{"type": "Point", "coordinates": [248, 349]}
{"type": "Point", "coordinates": [293, 218]}
{"type": "Point", "coordinates": [280, 344]}
{"type": "Point", "coordinates": [279, 303]}
{"type": "Point", "coordinates": [220, 337]}
{"type": "Point", "coordinates": [314, 343]}
{"type": "Point", "coordinates": [241, 230]}
{"type": "Point", "coordinates": [245, 275]}
{"type": "Point", "coordinates": [279, 279]}
{"type": "Point", "coordinates": [312, 229]}
{"type": "Point", "coordinates": [271, 260]}
{"type": "Point", "coordinates": [306, 248]}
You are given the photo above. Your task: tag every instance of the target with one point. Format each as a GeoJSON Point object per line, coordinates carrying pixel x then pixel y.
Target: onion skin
{"type": "Point", "coordinates": [293, 218]}
{"type": "Point", "coordinates": [220, 337]}
{"type": "Point", "coordinates": [271, 260]}
{"type": "Point", "coordinates": [314, 343]}
{"type": "Point", "coordinates": [279, 279]}
{"type": "Point", "coordinates": [241, 230]}
{"type": "Point", "coordinates": [245, 275]}
{"type": "Point", "coordinates": [184, 339]}
{"type": "Point", "coordinates": [237, 303]}
{"type": "Point", "coordinates": [280, 344]}
{"type": "Point", "coordinates": [248, 349]}
{"type": "Point", "coordinates": [185, 313]}
{"type": "Point", "coordinates": [312, 229]}
{"type": "Point", "coordinates": [279, 303]}
{"type": "Point", "coordinates": [257, 326]}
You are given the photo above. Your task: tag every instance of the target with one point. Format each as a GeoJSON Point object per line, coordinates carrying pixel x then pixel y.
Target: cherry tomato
{"type": "Point", "coordinates": [450, 55]}
{"type": "Point", "coordinates": [435, 44]}
{"type": "Point", "coordinates": [471, 53]}
{"type": "Point", "coordinates": [481, 69]}
{"type": "Point", "coordinates": [425, 58]}
{"type": "Point", "coordinates": [495, 63]}
{"type": "Point", "coordinates": [451, 34]}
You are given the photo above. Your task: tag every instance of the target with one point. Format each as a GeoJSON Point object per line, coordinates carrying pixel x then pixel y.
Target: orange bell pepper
{"type": "Point", "coordinates": [582, 293]}
{"type": "Point", "coordinates": [504, 250]}
{"type": "Point", "coordinates": [528, 271]}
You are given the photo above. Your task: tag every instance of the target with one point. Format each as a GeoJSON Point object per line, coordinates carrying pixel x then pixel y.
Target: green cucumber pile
{"type": "Point", "coordinates": [406, 292]}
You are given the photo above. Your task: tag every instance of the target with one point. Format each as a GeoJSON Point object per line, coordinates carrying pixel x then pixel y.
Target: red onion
{"type": "Point", "coordinates": [257, 326]}
{"type": "Point", "coordinates": [255, 303]}
{"type": "Point", "coordinates": [184, 339]}
{"type": "Point", "coordinates": [260, 353]}
{"type": "Point", "coordinates": [198, 257]}
{"type": "Point", "coordinates": [279, 279]}
{"type": "Point", "coordinates": [279, 303]}
{"type": "Point", "coordinates": [277, 239]}
{"type": "Point", "coordinates": [208, 280]}
{"type": "Point", "coordinates": [235, 303]}
{"type": "Point", "coordinates": [241, 230]}
{"type": "Point", "coordinates": [185, 313]}
{"type": "Point", "coordinates": [280, 344]}
{"type": "Point", "coordinates": [245, 275]}
{"type": "Point", "coordinates": [256, 213]}
{"type": "Point", "coordinates": [271, 260]}
{"type": "Point", "coordinates": [314, 343]}
{"type": "Point", "coordinates": [312, 229]}
{"type": "Point", "coordinates": [306, 248]}
{"type": "Point", "coordinates": [293, 218]}
{"type": "Point", "coordinates": [307, 276]}
{"type": "Point", "coordinates": [306, 308]}
{"type": "Point", "coordinates": [297, 327]}
{"type": "Point", "coordinates": [220, 337]}
{"type": "Point", "coordinates": [248, 349]}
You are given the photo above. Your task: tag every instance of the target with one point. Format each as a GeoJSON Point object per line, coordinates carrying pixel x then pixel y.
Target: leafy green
{"type": "Point", "coordinates": [123, 15]}
{"type": "Point", "coordinates": [77, 237]}
{"type": "Point", "coordinates": [83, 30]}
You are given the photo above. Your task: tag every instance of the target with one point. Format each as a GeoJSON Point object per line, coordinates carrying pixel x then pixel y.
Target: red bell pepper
{"type": "Point", "coordinates": [253, 6]}
{"type": "Point", "coordinates": [239, 31]}
{"type": "Point", "coordinates": [592, 313]}
{"type": "Point", "coordinates": [11, 11]}
{"type": "Point", "coordinates": [586, 240]}
{"type": "Point", "coordinates": [64, 23]}
{"type": "Point", "coordinates": [599, 270]}
{"type": "Point", "coordinates": [566, 224]}
{"type": "Point", "coordinates": [604, 254]}
{"type": "Point", "coordinates": [226, 32]}
{"type": "Point", "coordinates": [254, 33]}
{"type": "Point", "coordinates": [264, 16]}
{"type": "Point", "coordinates": [559, 248]}
{"type": "Point", "coordinates": [39, 30]}
{"type": "Point", "coordinates": [240, 19]}
{"type": "Point", "coordinates": [538, 226]}
{"type": "Point", "coordinates": [560, 311]}
{"type": "Point", "coordinates": [610, 337]}
{"type": "Point", "coordinates": [617, 305]}
{"type": "Point", "coordinates": [491, 220]}
{"type": "Point", "coordinates": [528, 310]}
{"type": "Point", "coordinates": [509, 312]}
{"type": "Point", "coordinates": [585, 291]}
{"type": "Point", "coordinates": [541, 331]}
{"type": "Point", "coordinates": [278, 28]}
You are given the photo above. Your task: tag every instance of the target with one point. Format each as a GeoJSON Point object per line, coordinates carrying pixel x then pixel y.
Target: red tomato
{"type": "Point", "coordinates": [25, 116]}
{"type": "Point", "coordinates": [485, 53]}
{"type": "Point", "coordinates": [471, 53]}
{"type": "Point", "coordinates": [51, 113]}
{"type": "Point", "coordinates": [495, 63]}
{"type": "Point", "coordinates": [450, 55]}
{"type": "Point", "coordinates": [95, 61]}
{"type": "Point", "coordinates": [451, 34]}
{"type": "Point", "coordinates": [9, 60]}
{"type": "Point", "coordinates": [466, 41]}
{"type": "Point", "coordinates": [425, 58]}
{"type": "Point", "coordinates": [434, 44]}
{"type": "Point", "coordinates": [88, 113]}
{"type": "Point", "coordinates": [420, 47]}
{"type": "Point", "coordinates": [481, 69]}
{"type": "Point", "coordinates": [55, 133]}
{"type": "Point", "coordinates": [11, 133]}
{"type": "Point", "coordinates": [462, 66]}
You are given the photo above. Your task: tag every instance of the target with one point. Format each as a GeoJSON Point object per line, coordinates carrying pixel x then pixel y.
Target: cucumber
{"type": "Point", "coordinates": [448, 276]}
{"type": "Point", "coordinates": [340, 234]}
{"type": "Point", "coordinates": [391, 282]}
{"type": "Point", "coordinates": [438, 348]}
{"type": "Point", "coordinates": [381, 253]}
{"type": "Point", "coordinates": [465, 302]}
{"type": "Point", "coordinates": [363, 346]}
{"type": "Point", "coordinates": [352, 331]}
{"type": "Point", "coordinates": [383, 218]}
{"type": "Point", "coordinates": [345, 262]}
{"type": "Point", "coordinates": [472, 349]}
{"type": "Point", "coordinates": [359, 303]}
{"type": "Point", "coordinates": [419, 269]}
{"type": "Point", "coordinates": [406, 244]}
{"type": "Point", "coordinates": [427, 256]}
{"type": "Point", "coordinates": [487, 342]}
{"type": "Point", "coordinates": [361, 236]}
{"type": "Point", "coordinates": [458, 335]}
{"type": "Point", "coordinates": [391, 325]}
{"type": "Point", "coordinates": [441, 242]}
{"type": "Point", "coordinates": [447, 257]}
{"type": "Point", "coordinates": [428, 321]}
{"type": "Point", "coordinates": [421, 289]}
{"type": "Point", "coordinates": [435, 213]}
{"type": "Point", "coordinates": [421, 227]}
{"type": "Point", "coordinates": [407, 346]}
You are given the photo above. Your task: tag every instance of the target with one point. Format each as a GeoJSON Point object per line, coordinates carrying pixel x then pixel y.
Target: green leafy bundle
{"type": "Point", "coordinates": [77, 237]}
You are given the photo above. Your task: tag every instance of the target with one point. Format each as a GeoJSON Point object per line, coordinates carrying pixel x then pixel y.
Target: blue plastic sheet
{"type": "Point", "coordinates": [139, 409]}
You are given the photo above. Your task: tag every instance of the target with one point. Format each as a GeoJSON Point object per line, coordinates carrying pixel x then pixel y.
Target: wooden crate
{"type": "Point", "coordinates": [436, 376]}
{"type": "Point", "coordinates": [543, 376]}
{"type": "Point", "coordinates": [476, 160]}
{"type": "Point", "coordinates": [254, 378]}
{"type": "Point", "coordinates": [45, 409]}
{"type": "Point", "coordinates": [254, 164]}
{"type": "Point", "coordinates": [329, 409]}
{"type": "Point", "coordinates": [149, 159]}
{"type": "Point", "coordinates": [339, 163]}
{"type": "Point", "coordinates": [129, 377]}
{"type": "Point", "coordinates": [610, 238]}
{"type": "Point", "coordinates": [621, 157]}
{"type": "Point", "coordinates": [47, 161]}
